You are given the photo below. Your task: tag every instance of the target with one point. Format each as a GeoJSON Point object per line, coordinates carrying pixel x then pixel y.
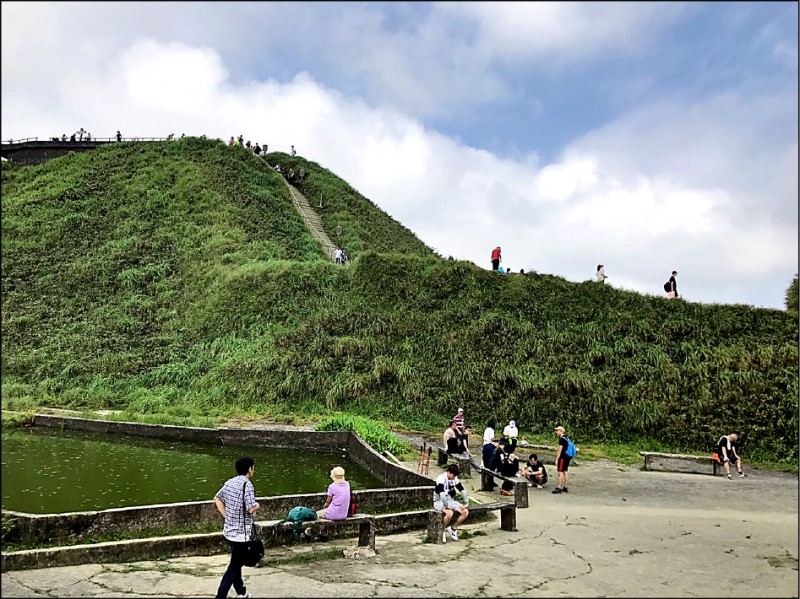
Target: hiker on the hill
{"type": "Point", "coordinates": [671, 286]}
{"type": "Point", "coordinates": [80, 132]}
{"type": "Point", "coordinates": [337, 502]}
{"type": "Point", "coordinates": [247, 145]}
{"type": "Point", "coordinates": [119, 136]}
{"type": "Point", "coordinates": [88, 136]}
{"type": "Point", "coordinates": [444, 500]}
{"type": "Point", "coordinates": [345, 259]}
{"type": "Point", "coordinates": [72, 137]}
{"type": "Point", "coordinates": [232, 141]}
{"type": "Point", "coordinates": [601, 274]}
{"type": "Point", "coordinates": [257, 149]}
{"type": "Point", "coordinates": [496, 258]}
{"type": "Point", "coordinates": [241, 140]}
{"type": "Point", "coordinates": [277, 168]}
{"type": "Point", "coordinates": [293, 152]}
{"type": "Point", "coordinates": [338, 255]}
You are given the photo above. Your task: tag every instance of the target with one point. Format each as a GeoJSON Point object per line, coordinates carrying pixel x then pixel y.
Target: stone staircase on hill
{"type": "Point", "coordinates": [312, 220]}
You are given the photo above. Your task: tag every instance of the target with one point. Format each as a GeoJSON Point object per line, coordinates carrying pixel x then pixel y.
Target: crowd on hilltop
{"type": "Point", "coordinates": [671, 286]}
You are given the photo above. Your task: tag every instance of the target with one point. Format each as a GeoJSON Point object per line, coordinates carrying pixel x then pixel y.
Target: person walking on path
{"type": "Point", "coordinates": [236, 501]}
{"type": "Point", "coordinates": [444, 494]}
{"type": "Point", "coordinates": [601, 273]}
{"type": "Point", "coordinates": [562, 461]}
{"type": "Point", "coordinates": [496, 258]}
{"type": "Point", "coordinates": [294, 153]}
{"type": "Point", "coordinates": [671, 286]}
{"type": "Point", "coordinates": [726, 450]}
{"type": "Point", "coordinates": [338, 501]}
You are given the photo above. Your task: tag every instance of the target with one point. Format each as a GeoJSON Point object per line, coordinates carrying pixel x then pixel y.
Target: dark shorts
{"type": "Point", "coordinates": [563, 463]}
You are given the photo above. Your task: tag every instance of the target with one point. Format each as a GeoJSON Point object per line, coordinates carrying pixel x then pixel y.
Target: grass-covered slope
{"type": "Point", "coordinates": [176, 279]}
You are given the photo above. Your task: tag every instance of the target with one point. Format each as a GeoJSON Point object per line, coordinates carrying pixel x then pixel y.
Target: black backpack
{"type": "Point", "coordinates": [667, 286]}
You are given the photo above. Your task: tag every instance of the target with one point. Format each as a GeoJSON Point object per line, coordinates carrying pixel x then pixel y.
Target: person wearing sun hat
{"type": "Point", "coordinates": [338, 500]}
{"type": "Point", "coordinates": [562, 461]}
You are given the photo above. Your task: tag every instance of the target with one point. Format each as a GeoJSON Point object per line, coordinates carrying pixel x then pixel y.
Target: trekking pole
{"type": "Point", "coordinates": [428, 461]}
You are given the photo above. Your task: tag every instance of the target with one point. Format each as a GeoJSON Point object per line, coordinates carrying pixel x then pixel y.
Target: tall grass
{"type": "Point", "coordinates": [176, 280]}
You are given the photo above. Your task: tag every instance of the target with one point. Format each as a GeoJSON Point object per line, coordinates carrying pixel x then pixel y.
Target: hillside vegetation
{"type": "Point", "coordinates": [176, 279]}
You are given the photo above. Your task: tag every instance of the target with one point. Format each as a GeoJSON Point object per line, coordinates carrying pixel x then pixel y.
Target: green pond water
{"type": "Point", "coordinates": [51, 471]}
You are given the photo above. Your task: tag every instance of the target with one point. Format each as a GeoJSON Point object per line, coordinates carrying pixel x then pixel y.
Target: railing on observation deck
{"type": "Point", "coordinates": [76, 140]}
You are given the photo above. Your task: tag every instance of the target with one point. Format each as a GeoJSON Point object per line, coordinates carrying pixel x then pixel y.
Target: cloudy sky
{"type": "Point", "coordinates": [644, 136]}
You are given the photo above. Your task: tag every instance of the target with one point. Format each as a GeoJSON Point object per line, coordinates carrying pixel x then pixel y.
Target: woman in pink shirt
{"type": "Point", "coordinates": [338, 502]}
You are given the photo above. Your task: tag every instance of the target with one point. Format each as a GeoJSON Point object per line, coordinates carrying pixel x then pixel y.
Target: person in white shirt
{"type": "Point", "coordinates": [601, 273]}
{"type": "Point", "coordinates": [444, 494]}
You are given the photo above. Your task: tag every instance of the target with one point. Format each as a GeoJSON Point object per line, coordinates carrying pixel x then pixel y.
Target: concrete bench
{"type": "Point", "coordinates": [675, 462]}
{"type": "Point", "coordinates": [520, 484]}
{"type": "Point", "coordinates": [462, 459]}
{"type": "Point", "coordinates": [508, 518]}
{"type": "Point", "coordinates": [274, 530]}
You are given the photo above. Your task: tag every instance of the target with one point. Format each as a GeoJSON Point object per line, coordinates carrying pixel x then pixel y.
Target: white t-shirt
{"type": "Point", "coordinates": [488, 435]}
{"type": "Point", "coordinates": [510, 430]}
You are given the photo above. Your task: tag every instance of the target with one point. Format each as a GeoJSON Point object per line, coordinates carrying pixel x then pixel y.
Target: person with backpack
{"type": "Point", "coordinates": [236, 501]}
{"type": "Point", "coordinates": [671, 286]}
{"type": "Point", "coordinates": [726, 450]}
{"type": "Point", "coordinates": [566, 451]}
{"type": "Point", "coordinates": [337, 504]}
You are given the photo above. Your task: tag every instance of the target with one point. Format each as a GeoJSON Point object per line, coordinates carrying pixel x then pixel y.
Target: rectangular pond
{"type": "Point", "coordinates": [53, 471]}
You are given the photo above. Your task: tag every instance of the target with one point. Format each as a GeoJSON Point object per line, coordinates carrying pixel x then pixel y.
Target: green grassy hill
{"type": "Point", "coordinates": [177, 279]}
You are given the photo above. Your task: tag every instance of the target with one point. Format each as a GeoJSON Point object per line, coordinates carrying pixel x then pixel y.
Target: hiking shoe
{"type": "Point", "coordinates": [538, 486]}
{"type": "Point", "coordinates": [565, 490]}
{"type": "Point", "coordinates": [741, 474]}
{"type": "Point", "coordinates": [243, 595]}
{"type": "Point", "coordinates": [730, 477]}
{"type": "Point", "coordinates": [556, 490]}
{"type": "Point", "coordinates": [444, 537]}
{"type": "Point", "coordinates": [530, 484]}
{"type": "Point", "coordinates": [453, 533]}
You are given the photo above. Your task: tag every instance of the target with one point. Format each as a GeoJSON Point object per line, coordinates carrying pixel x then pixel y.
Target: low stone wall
{"type": "Point", "coordinates": [406, 489]}
{"type": "Point", "coordinates": [669, 462]}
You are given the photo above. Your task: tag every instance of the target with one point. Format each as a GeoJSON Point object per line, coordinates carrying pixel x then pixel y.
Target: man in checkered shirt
{"type": "Point", "coordinates": [235, 497]}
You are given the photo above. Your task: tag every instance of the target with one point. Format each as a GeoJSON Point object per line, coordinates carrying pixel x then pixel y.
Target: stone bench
{"type": "Point", "coordinates": [520, 484]}
{"type": "Point", "coordinates": [675, 462]}
{"type": "Point", "coordinates": [508, 518]}
{"type": "Point", "coordinates": [275, 530]}
{"type": "Point", "coordinates": [462, 459]}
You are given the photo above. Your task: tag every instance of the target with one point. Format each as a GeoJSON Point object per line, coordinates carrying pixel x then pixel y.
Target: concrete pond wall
{"type": "Point", "coordinates": [405, 490]}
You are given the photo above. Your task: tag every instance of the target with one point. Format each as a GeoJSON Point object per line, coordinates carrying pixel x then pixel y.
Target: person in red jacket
{"type": "Point", "coordinates": [496, 259]}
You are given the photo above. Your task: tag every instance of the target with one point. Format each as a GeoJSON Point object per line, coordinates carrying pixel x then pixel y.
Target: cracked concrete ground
{"type": "Point", "coordinates": [620, 532]}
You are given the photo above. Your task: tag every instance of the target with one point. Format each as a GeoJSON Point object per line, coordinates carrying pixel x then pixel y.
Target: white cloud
{"type": "Point", "coordinates": [705, 186]}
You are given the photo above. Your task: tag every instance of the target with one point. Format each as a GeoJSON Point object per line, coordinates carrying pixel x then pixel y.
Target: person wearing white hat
{"type": "Point", "coordinates": [510, 434]}
{"type": "Point", "coordinates": [338, 501]}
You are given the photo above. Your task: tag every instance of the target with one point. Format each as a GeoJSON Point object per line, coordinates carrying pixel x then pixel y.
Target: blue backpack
{"type": "Point", "coordinates": [571, 448]}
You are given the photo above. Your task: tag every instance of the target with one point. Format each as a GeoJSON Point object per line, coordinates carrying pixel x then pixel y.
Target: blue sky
{"type": "Point", "coordinates": [646, 136]}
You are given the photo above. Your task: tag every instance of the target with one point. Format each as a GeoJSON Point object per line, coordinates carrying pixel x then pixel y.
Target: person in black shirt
{"type": "Point", "coordinates": [509, 467]}
{"type": "Point", "coordinates": [726, 450]}
{"type": "Point", "coordinates": [534, 471]}
{"type": "Point", "coordinates": [562, 461]}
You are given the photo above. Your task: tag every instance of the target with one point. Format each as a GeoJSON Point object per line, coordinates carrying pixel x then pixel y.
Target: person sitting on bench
{"type": "Point", "coordinates": [453, 441]}
{"type": "Point", "coordinates": [444, 500]}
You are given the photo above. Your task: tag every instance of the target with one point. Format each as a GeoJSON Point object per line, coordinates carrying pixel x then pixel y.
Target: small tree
{"type": "Point", "coordinates": [792, 297]}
